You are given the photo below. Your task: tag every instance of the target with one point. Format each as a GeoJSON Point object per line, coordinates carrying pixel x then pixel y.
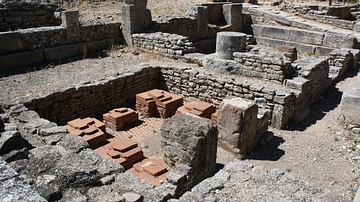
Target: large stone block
{"type": "Point", "coordinates": [43, 37]}
{"type": "Point", "coordinates": [190, 140]}
{"type": "Point", "coordinates": [134, 20]}
{"type": "Point", "coordinates": [307, 37]}
{"type": "Point", "coordinates": [270, 42]}
{"type": "Point", "coordinates": [237, 125]}
{"type": "Point", "coordinates": [350, 106]}
{"type": "Point", "coordinates": [233, 16]}
{"type": "Point", "coordinates": [22, 59]}
{"type": "Point", "coordinates": [70, 19]}
{"type": "Point", "coordinates": [61, 52]}
{"type": "Point", "coordinates": [275, 32]}
{"type": "Point", "coordinates": [13, 42]}
{"type": "Point", "coordinates": [337, 40]}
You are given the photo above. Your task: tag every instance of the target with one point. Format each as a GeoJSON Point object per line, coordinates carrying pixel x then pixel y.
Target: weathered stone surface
{"type": "Point", "coordinates": [39, 37]}
{"type": "Point", "coordinates": [72, 142]}
{"type": "Point", "coordinates": [237, 125]}
{"type": "Point", "coordinates": [190, 140]}
{"type": "Point", "coordinates": [108, 166]}
{"type": "Point", "coordinates": [52, 131]}
{"type": "Point", "coordinates": [224, 66]}
{"type": "Point", "coordinates": [12, 146]}
{"type": "Point", "coordinates": [241, 181]}
{"type": "Point", "coordinates": [73, 195]}
{"type": "Point", "coordinates": [350, 106]}
{"type": "Point", "coordinates": [15, 188]}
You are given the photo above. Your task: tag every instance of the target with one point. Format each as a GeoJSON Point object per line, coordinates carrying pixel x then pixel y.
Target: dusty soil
{"type": "Point", "coordinates": [320, 150]}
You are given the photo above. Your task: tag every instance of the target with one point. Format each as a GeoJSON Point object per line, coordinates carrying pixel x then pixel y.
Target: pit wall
{"type": "Point", "coordinates": [170, 45]}
{"type": "Point", "coordinates": [26, 47]}
{"type": "Point", "coordinates": [92, 99]}
{"type": "Point", "coordinates": [284, 103]}
{"type": "Point", "coordinates": [24, 15]}
{"type": "Point", "coordinates": [321, 14]}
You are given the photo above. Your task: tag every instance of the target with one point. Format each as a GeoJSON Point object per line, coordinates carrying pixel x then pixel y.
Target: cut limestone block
{"type": "Point", "coordinates": [236, 122]}
{"type": "Point", "coordinates": [350, 106]}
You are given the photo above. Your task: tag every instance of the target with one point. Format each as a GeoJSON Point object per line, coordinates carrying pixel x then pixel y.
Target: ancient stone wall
{"type": "Point", "coordinates": [266, 64]}
{"type": "Point", "coordinates": [163, 43]}
{"type": "Point", "coordinates": [25, 47]}
{"type": "Point", "coordinates": [96, 98]}
{"type": "Point", "coordinates": [339, 17]}
{"type": "Point", "coordinates": [23, 15]}
{"type": "Point", "coordinates": [178, 25]}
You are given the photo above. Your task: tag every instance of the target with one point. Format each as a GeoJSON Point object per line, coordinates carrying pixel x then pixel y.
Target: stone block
{"type": "Point", "coordinates": [134, 20]}
{"type": "Point", "coordinates": [229, 42]}
{"type": "Point", "coordinates": [216, 10]}
{"type": "Point", "coordinates": [323, 51]}
{"type": "Point", "coordinates": [307, 37]}
{"type": "Point", "coordinates": [61, 52]}
{"type": "Point", "coordinates": [237, 125]}
{"type": "Point", "coordinates": [70, 19]}
{"type": "Point", "coordinates": [190, 140]}
{"type": "Point", "coordinates": [275, 32]}
{"type": "Point", "coordinates": [43, 37]}
{"type": "Point", "coordinates": [270, 42]}
{"type": "Point", "coordinates": [297, 83]}
{"type": "Point", "coordinates": [302, 47]}
{"type": "Point", "coordinates": [233, 16]}
{"type": "Point", "coordinates": [337, 40]}
{"type": "Point", "coordinates": [13, 42]}
{"type": "Point", "coordinates": [201, 15]}
{"type": "Point", "coordinates": [350, 106]}
{"type": "Point", "coordinates": [279, 116]}
{"type": "Point", "coordinates": [22, 59]}
{"type": "Point", "coordinates": [224, 66]}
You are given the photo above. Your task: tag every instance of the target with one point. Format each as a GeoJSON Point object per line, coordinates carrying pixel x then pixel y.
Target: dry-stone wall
{"type": "Point", "coordinates": [21, 15]}
{"type": "Point", "coordinates": [95, 98]}
{"type": "Point", "coordinates": [163, 43]}
{"type": "Point", "coordinates": [266, 64]}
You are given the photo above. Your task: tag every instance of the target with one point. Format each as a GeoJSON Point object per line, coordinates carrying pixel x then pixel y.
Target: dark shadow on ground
{"type": "Point", "coordinates": [219, 166]}
{"type": "Point", "coordinates": [327, 102]}
{"type": "Point", "coordinates": [269, 152]}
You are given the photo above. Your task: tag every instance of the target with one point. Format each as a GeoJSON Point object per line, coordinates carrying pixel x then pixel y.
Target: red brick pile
{"type": "Point", "coordinates": [158, 103]}
{"type": "Point", "coordinates": [118, 118]}
{"type": "Point", "coordinates": [91, 129]}
{"type": "Point", "coordinates": [202, 109]}
{"type": "Point", "coordinates": [124, 151]}
{"type": "Point", "coordinates": [152, 169]}
{"type": "Point", "coordinates": [214, 117]}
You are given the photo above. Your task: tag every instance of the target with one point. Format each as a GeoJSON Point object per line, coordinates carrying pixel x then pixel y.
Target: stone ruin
{"type": "Point", "coordinates": [260, 81]}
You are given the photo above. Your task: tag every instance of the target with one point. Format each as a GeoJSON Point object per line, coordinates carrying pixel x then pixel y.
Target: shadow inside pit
{"type": "Point", "coordinates": [327, 102]}
{"type": "Point", "coordinates": [270, 152]}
